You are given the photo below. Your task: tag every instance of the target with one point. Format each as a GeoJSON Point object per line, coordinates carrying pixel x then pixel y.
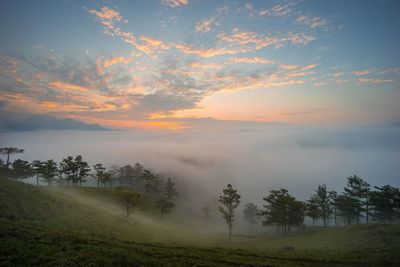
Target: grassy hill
{"type": "Point", "coordinates": [86, 226]}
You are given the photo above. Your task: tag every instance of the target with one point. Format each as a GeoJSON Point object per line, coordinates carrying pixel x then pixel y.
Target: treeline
{"type": "Point", "coordinates": [359, 202]}
{"type": "Point", "coordinates": [74, 172]}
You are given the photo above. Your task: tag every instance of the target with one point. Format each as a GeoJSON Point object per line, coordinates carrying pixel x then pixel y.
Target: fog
{"type": "Point", "coordinates": [255, 159]}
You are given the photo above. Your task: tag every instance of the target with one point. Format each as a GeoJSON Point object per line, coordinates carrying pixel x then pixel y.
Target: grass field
{"type": "Point", "coordinates": [86, 227]}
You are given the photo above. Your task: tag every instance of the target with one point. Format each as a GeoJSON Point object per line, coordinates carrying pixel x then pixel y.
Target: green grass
{"type": "Point", "coordinates": [87, 227]}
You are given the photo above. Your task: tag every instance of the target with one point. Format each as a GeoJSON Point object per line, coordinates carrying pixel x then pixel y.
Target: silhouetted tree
{"type": "Point", "coordinates": [347, 207]}
{"type": "Point", "coordinates": [49, 171]}
{"type": "Point", "coordinates": [312, 210]}
{"type": "Point", "coordinates": [151, 182]}
{"type": "Point", "coordinates": [296, 213]}
{"type": "Point", "coordinates": [283, 210]}
{"type": "Point", "coordinates": [130, 199]}
{"type": "Point", "coordinates": [68, 168]}
{"type": "Point", "coordinates": [37, 168]}
{"type": "Point", "coordinates": [21, 169]}
{"type": "Point", "coordinates": [83, 170]}
{"type": "Point", "coordinates": [138, 173]}
{"type": "Point", "coordinates": [99, 170]}
{"type": "Point", "coordinates": [10, 151]}
{"type": "Point", "coordinates": [2, 167]}
{"type": "Point", "coordinates": [170, 190]}
{"type": "Point", "coordinates": [358, 189]}
{"type": "Point", "coordinates": [251, 214]}
{"type": "Point", "coordinates": [384, 203]}
{"type": "Point", "coordinates": [230, 200]}
{"type": "Point", "coordinates": [75, 170]}
{"type": "Point", "coordinates": [107, 178]}
{"type": "Point", "coordinates": [333, 196]}
{"type": "Point", "coordinates": [323, 201]}
{"type": "Point", "coordinates": [126, 175]}
{"type": "Point", "coordinates": [165, 205]}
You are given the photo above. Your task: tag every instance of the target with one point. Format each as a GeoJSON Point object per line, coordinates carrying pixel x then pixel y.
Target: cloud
{"type": "Point", "coordinates": [109, 62]}
{"type": "Point", "coordinates": [279, 10]}
{"type": "Point", "coordinates": [313, 22]}
{"type": "Point", "coordinates": [26, 122]}
{"type": "Point", "coordinates": [253, 60]}
{"type": "Point", "coordinates": [174, 3]}
{"type": "Point", "coordinates": [374, 81]}
{"type": "Point", "coordinates": [110, 20]}
{"type": "Point", "coordinates": [320, 84]}
{"type": "Point", "coordinates": [251, 41]}
{"type": "Point", "coordinates": [362, 72]}
{"type": "Point", "coordinates": [59, 85]}
{"type": "Point", "coordinates": [204, 25]}
{"type": "Point", "coordinates": [107, 14]}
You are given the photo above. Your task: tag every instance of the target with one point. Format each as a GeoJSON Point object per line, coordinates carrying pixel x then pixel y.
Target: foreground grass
{"type": "Point", "coordinates": [42, 226]}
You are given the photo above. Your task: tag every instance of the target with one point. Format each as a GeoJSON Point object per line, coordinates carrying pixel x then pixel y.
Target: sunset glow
{"type": "Point", "coordinates": [155, 64]}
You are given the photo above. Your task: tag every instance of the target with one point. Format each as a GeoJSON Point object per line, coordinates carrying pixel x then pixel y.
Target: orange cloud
{"type": "Point", "coordinates": [206, 53]}
{"type": "Point", "coordinates": [109, 62]}
{"type": "Point", "coordinates": [254, 60]}
{"type": "Point", "coordinates": [59, 85]}
{"type": "Point", "coordinates": [107, 14]}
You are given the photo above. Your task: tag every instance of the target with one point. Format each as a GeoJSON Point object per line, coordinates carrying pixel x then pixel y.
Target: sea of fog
{"type": "Point", "coordinates": [254, 159]}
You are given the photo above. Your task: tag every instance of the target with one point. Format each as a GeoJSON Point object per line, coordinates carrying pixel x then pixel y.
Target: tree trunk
{"type": "Point", "coordinates": [8, 160]}
{"type": "Point", "coordinates": [230, 233]}
{"type": "Point", "coordinates": [37, 179]}
{"type": "Point", "coordinates": [367, 211]}
{"type": "Point", "coordinates": [127, 209]}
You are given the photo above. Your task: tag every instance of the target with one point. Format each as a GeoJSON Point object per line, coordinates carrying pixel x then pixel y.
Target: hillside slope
{"type": "Point", "coordinates": [46, 226]}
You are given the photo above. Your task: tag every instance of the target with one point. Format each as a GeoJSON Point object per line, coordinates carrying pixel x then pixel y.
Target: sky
{"type": "Point", "coordinates": [173, 65]}
{"type": "Point", "coordinates": [260, 94]}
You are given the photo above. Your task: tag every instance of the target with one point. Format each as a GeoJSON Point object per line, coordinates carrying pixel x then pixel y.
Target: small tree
{"type": "Point", "coordinates": [283, 210]}
{"type": "Point", "coordinates": [126, 176]}
{"type": "Point", "coordinates": [230, 201]}
{"type": "Point", "coordinates": [138, 173]}
{"type": "Point", "coordinates": [107, 178]}
{"type": "Point", "coordinates": [251, 214]}
{"type": "Point", "coordinates": [384, 201]}
{"type": "Point", "coordinates": [37, 168]}
{"type": "Point", "coordinates": [165, 205]}
{"type": "Point", "coordinates": [148, 178]}
{"type": "Point", "coordinates": [358, 189]}
{"type": "Point", "coordinates": [21, 169]}
{"type": "Point", "coordinates": [83, 170]}
{"type": "Point", "coordinates": [67, 168]}
{"type": "Point", "coordinates": [170, 190]}
{"type": "Point", "coordinates": [324, 203]}
{"type": "Point", "coordinates": [10, 151]}
{"type": "Point", "coordinates": [347, 207]}
{"type": "Point", "coordinates": [49, 171]}
{"type": "Point", "coordinates": [312, 210]}
{"type": "Point", "coordinates": [99, 171]}
{"type": "Point", "coordinates": [129, 198]}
